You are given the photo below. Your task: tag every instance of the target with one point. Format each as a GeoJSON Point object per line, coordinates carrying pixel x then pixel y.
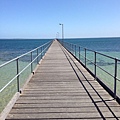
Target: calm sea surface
{"type": "Point", "coordinates": [11, 48]}
{"type": "Point", "coordinates": [98, 44]}
{"type": "Point", "coordinates": [109, 46]}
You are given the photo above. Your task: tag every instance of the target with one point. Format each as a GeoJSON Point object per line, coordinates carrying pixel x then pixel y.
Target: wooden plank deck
{"type": "Point", "coordinates": [62, 89]}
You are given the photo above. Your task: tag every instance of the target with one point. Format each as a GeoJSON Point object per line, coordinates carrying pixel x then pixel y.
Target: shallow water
{"type": "Point", "coordinates": [7, 52]}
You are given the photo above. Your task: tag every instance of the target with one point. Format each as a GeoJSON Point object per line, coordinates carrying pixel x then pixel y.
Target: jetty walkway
{"type": "Point", "coordinates": [62, 88]}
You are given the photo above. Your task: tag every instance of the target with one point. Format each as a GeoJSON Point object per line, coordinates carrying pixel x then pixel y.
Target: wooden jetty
{"type": "Point", "coordinates": [62, 88]}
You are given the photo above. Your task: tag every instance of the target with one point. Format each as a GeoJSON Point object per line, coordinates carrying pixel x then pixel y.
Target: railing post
{"type": "Point", "coordinates": [95, 65]}
{"type": "Point", "coordinates": [41, 52]}
{"type": "Point", "coordinates": [79, 52]}
{"type": "Point", "coordinates": [37, 57]}
{"type": "Point", "coordinates": [72, 49]}
{"type": "Point", "coordinates": [65, 45]}
{"type": "Point", "coordinates": [85, 57]}
{"type": "Point", "coordinates": [31, 63]}
{"type": "Point", "coordinates": [75, 50]}
{"type": "Point", "coordinates": [69, 46]}
{"type": "Point", "coordinates": [115, 80]}
{"type": "Point", "coordinates": [18, 82]}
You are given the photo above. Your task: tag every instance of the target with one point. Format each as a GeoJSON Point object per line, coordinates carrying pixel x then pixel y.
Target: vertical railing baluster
{"type": "Point", "coordinates": [37, 57]}
{"type": "Point", "coordinates": [115, 80]}
{"type": "Point", "coordinates": [95, 64]}
{"type": "Point", "coordinates": [75, 50]}
{"type": "Point", "coordinates": [79, 52]}
{"type": "Point", "coordinates": [69, 46]}
{"type": "Point", "coordinates": [18, 81]}
{"type": "Point", "coordinates": [31, 64]}
{"type": "Point", "coordinates": [41, 52]}
{"type": "Point", "coordinates": [85, 57]}
{"type": "Point", "coordinates": [72, 49]}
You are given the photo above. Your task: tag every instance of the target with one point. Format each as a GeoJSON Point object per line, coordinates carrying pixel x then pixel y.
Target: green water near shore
{"type": "Point", "coordinates": [7, 73]}
{"type": "Point", "coordinates": [106, 64]}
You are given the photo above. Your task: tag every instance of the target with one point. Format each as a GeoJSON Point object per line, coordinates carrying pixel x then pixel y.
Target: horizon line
{"type": "Point", "coordinates": [61, 38]}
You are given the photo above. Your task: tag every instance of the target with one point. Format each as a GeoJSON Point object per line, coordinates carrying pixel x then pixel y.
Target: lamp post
{"type": "Point", "coordinates": [62, 31]}
{"type": "Point", "coordinates": [57, 35]}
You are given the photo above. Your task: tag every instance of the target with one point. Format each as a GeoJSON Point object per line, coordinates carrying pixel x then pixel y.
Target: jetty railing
{"type": "Point", "coordinates": [104, 68]}
{"type": "Point", "coordinates": [14, 73]}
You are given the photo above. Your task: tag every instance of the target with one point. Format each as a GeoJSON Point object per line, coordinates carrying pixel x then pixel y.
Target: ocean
{"type": "Point", "coordinates": [108, 46]}
{"type": "Point", "coordinates": [11, 48]}
{"type": "Point", "coordinates": [98, 44]}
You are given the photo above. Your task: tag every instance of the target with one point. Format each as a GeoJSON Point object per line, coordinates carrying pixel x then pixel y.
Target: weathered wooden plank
{"type": "Point", "coordinates": [55, 115]}
{"type": "Point", "coordinates": [54, 105]}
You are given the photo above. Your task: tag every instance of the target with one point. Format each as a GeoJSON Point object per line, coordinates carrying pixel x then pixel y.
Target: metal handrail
{"type": "Point", "coordinates": [17, 58]}
{"type": "Point", "coordinates": [99, 67]}
{"type": "Point", "coordinates": [75, 50]}
{"type": "Point", "coordinates": [91, 50]}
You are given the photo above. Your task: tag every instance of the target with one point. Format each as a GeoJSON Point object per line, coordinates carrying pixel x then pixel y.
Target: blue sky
{"type": "Point", "coordinates": [41, 18]}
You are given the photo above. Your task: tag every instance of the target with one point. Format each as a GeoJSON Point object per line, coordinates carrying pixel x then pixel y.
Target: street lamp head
{"type": "Point", "coordinates": [62, 31]}
{"type": "Point", "coordinates": [60, 24]}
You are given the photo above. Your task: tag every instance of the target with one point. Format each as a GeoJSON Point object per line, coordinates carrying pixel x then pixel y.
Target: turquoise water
{"type": "Point", "coordinates": [10, 49]}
